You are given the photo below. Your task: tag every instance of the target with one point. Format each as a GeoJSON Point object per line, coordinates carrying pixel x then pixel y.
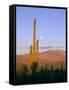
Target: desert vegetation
{"type": "Point", "coordinates": [30, 74]}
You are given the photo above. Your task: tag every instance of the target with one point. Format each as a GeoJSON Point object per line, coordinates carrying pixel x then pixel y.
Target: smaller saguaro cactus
{"type": "Point", "coordinates": [25, 69]}
{"type": "Point", "coordinates": [46, 67]}
{"type": "Point", "coordinates": [51, 67]}
{"type": "Point", "coordinates": [61, 67]}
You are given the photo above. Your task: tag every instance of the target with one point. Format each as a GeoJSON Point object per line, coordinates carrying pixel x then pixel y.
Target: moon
{"type": "Point", "coordinates": [41, 37]}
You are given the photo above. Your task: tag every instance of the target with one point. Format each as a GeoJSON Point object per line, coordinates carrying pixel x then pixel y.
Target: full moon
{"type": "Point", "coordinates": [41, 37]}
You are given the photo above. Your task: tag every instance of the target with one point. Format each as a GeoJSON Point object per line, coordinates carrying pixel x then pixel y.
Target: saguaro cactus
{"type": "Point", "coordinates": [34, 66]}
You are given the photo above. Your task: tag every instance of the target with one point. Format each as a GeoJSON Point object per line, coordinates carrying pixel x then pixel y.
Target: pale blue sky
{"type": "Point", "coordinates": [50, 27]}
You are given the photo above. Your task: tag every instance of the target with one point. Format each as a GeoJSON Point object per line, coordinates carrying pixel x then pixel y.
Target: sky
{"type": "Point", "coordinates": [50, 27]}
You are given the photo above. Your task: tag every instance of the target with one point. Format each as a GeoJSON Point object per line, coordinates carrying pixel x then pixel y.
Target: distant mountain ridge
{"type": "Point", "coordinates": [57, 58]}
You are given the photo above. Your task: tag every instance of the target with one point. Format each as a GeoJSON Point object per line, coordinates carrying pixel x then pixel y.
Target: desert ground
{"type": "Point", "coordinates": [56, 58]}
